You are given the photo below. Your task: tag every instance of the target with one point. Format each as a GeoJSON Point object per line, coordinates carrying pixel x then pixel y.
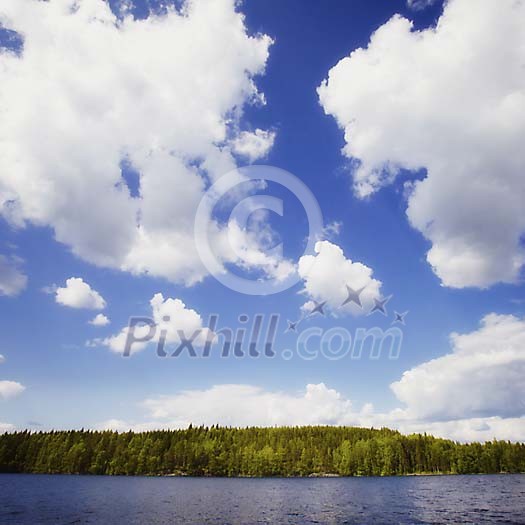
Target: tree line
{"type": "Point", "coordinates": [285, 451]}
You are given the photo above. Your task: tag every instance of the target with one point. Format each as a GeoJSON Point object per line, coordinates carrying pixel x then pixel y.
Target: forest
{"type": "Point", "coordinates": [284, 451]}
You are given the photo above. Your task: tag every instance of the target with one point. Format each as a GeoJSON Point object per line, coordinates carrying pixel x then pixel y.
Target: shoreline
{"type": "Point", "coordinates": [309, 476]}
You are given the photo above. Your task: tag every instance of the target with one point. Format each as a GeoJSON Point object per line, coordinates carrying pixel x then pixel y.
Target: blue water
{"type": "Point", "coordinates": [34, 499]}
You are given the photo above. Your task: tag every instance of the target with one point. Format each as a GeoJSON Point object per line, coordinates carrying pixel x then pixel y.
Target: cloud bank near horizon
{"type": "Point", "coordinates": [474, 393]}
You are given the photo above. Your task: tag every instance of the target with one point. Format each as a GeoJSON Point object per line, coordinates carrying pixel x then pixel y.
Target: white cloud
{"type": "Point", "coordinates": [468, 430]}
{"type": "Point", "coordinates": [78, 294]}
{"type": "Point", "coordinates": [327, 273]}
{"type": "Point", "coordinates": [6, 427]}
{"type": "Point", "coordinates": [252, 251]}
{"type": "Point", "coordinates": [254, 145]}
{"type": "Point", "coordinates": [331, 230]}
{"type": "Point", "coordinates": [99, 320]}
{"type": "Point", "coordinates": [10, 389]}
{"type": "Point", "coordinates": [50, 289]}
{"type": "Point", "coordinates": [241, 405]}
{"type": "Point", "coordinates": [12, 279]}
{"type": "Point", "coordinates": [169, 316]}
{"type": "Point", "coordinates": [483, 376]}
{"type": "Point", "coordinates": [246, 405]}
{"type": "Point", "coordinates": [465, 429]}
{"type": "Point", "coordinates": [175, 119]}
{"type": "Point", "coordinates": [119, 425]}
{"type": "Point", "coordinates": [419, 5]}
{"type": "Point", "coordinates": [450, 99]}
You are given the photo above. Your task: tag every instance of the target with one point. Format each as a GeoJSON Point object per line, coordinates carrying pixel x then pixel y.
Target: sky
{"type": "Point", "coordinates": [370, 145]}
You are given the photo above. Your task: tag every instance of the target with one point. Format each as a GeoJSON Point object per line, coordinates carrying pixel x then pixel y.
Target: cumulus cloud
{"type": "Point", "coordinates": [246, 405]}
{"type": "Point", "coordinates": [108, 105]}
{"type": "Point", "coordinates": [78, 294]}
{"type": "Point", "coordinates": [327, 274]}
{"type": "Point", "coordinates": [9, 389]}
{"type": "Point", "coordinates": [171, 318]}
{"type": "Point", "coordinates": [12, 279]}
{"type": "Point", "coordinates": [254, 145]}
{"type": "Point", "coordinates": [120, 425]}
{"type": "Point", "coordinates": [483, 376]}
{"type": "Point", "coordinates": [242, 405]}
{"type": "Point", "coordinates": [99, 320]}
{"type": "Point", "coordinates": [451, 100]}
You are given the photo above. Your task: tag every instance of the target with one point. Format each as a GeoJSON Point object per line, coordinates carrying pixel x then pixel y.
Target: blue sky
{"type": "Point", "coordinates": [67, 371]}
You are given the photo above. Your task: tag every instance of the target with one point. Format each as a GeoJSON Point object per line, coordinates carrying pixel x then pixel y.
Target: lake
{"type": "Point", "coordinates": [36, 499]}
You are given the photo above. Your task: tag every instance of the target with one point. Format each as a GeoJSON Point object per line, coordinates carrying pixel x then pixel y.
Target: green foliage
{"type": "Point", "coordinates": [287, 451]}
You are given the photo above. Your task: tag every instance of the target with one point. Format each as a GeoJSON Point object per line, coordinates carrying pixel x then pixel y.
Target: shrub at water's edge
{"type": "Point", "coordinates": [286, 451]}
